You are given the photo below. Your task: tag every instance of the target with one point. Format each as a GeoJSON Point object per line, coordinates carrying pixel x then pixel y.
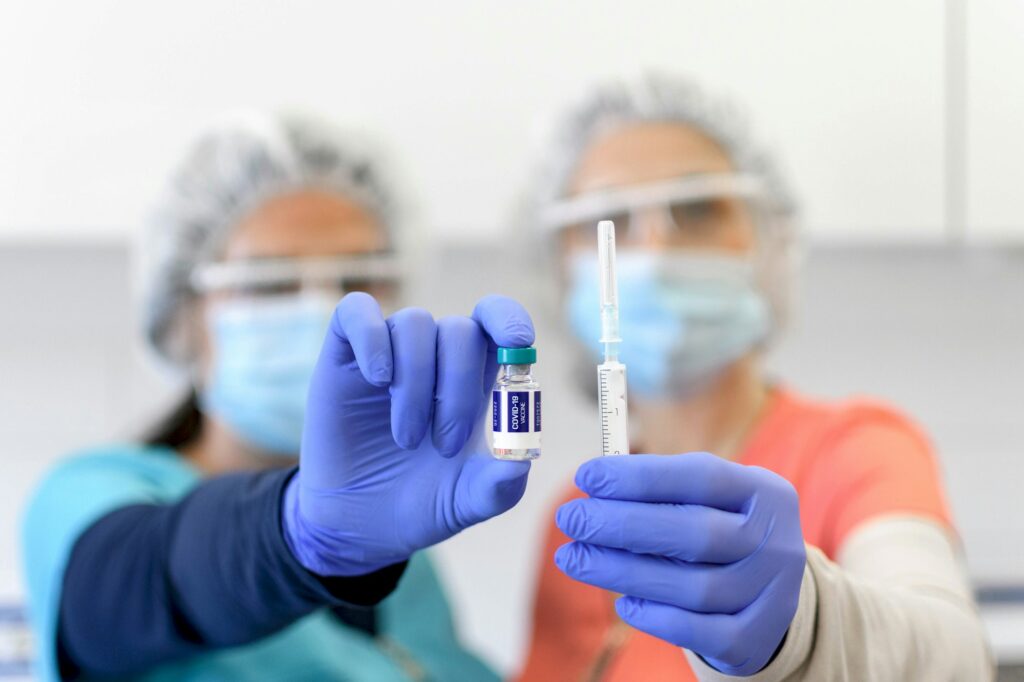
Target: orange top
{"type": "Point", "coordinates": [848, 461]}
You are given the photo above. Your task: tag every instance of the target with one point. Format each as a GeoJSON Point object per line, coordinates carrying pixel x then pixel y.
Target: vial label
{"type": "Point", "coordinates": [536, 411]}
{"type": "Point", "coordinates": [518, 411]}
{"type": "Point", "coordinates": [496, 411]}
{"type": "Point", "coordinates": [515, 419]}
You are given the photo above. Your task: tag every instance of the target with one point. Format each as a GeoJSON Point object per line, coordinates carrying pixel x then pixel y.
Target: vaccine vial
{"type": "Point", "coordinates": [515, 406]}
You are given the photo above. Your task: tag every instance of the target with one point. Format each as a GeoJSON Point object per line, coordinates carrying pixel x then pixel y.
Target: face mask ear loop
{"type": "Point", "coordinates": [195, 321]}
{"type": "Point", "coordinates": [196, 381]}
{"type": "Point", "coordinates": [196, 384]}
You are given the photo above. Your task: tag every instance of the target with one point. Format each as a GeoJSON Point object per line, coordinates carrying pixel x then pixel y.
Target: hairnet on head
{"type": "Point", "coordinates": [662, 98]}
{"type": "Point", "coordinates": [227, 173]}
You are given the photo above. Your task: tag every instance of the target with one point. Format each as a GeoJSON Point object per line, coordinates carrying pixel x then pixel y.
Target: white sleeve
{"type": "Point", "coordinates": [896, 607]}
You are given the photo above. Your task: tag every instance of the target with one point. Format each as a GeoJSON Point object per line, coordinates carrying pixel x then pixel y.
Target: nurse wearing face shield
{"type": "Point", "coordinates": [765, 534]}
{"type": "Point", "coordinates": [202, 552]}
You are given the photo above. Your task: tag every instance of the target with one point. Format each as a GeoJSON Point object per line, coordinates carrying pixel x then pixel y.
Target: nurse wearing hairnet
{"type": "Point", "coordinates": [202, 553]}
{"type": "Point", "coordinates": [815, 543]}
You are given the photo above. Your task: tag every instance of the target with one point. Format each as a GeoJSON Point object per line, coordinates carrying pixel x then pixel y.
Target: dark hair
{"type": "Point", "coordinates": [180, 427]}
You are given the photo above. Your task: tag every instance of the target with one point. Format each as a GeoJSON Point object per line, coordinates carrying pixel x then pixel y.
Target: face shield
{"type": "Point", "coordinates": [266, 321]}
{"type": "Point", "coordinates": [696, 257]}
{"type": "Point", "coordinates": [690, 207]}
{"type": "Point", "coordinates": [264, 279]}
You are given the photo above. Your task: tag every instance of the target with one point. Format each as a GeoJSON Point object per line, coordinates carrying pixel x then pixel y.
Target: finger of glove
{"type": "Point", "coordinates": [354, 364]}
{"type": "Point", "coordinates": [693, 478]}
{"type": "Point", "coordinates": [358, 331]}
{"type": "Point", "coordinates": [461, 356]}
{"type": "Point", "coordinates": [505, 323]}
{"type": "Point", "coordinates": [414, 340]}
{"type": "Point", "coordinates": [705, 588]}
{"type": "Point", "coordinates": [486, 488]}
{"type": "Point", "coordinates": [686, 532]}
{"type": "Point", "coordinates": [717, 638]}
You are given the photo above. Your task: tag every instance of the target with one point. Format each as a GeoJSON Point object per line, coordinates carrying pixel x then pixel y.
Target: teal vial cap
{"type": "Point", "coordinates": [517, 356]}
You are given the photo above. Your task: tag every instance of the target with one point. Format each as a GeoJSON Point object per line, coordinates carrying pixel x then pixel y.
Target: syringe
{"type": "Point", "coordinates": [611, 374]}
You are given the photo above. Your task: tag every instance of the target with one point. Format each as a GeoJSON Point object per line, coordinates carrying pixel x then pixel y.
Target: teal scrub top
{"type": "Point", "coordinates": [416, 638]}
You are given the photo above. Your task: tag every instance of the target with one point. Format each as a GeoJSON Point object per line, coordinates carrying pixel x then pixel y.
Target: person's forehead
{"type": "Point", "coordinates": [306, 223]}
{"type": "Point", "coordinates": [646, 152]}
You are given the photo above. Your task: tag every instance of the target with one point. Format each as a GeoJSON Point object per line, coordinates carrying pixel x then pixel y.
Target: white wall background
{"type": "Point", "coordinates": [995, 115]}
{"type": "Point", "coordinates": [98, 98]}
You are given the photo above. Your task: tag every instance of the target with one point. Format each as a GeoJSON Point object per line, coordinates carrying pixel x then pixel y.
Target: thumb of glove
{"type": "Point", "coordinates": [487, 486]}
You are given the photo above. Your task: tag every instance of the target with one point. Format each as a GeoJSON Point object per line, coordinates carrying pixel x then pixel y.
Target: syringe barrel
{"type": "Point", "coordinates": [611, 391]}
{"type": "Point", "coordinates": [611, 374]}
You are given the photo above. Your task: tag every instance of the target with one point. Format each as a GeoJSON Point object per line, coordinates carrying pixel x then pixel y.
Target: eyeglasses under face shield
{"type": "Point", "coordinates": [686, 211]}
{"type": "Point", "coordinates": [378, 275]}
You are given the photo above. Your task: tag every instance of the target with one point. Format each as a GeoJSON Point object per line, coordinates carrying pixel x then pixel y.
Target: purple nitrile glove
{"type": "Point", "coordinates": [708, 553]}
{"type": "Point", "coordinates": [393, 457]}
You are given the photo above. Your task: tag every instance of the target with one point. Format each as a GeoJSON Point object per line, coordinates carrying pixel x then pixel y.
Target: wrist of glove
{"type": "Point", "coordinates": [708, 554]}
{"type": "Point", "coordinates": [328, 551]}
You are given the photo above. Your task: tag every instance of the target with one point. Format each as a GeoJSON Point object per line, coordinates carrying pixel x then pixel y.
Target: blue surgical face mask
{"type": "Point", "coordinates": [683, 317]}
{"type": "Point", "coordinates": [264, 352]}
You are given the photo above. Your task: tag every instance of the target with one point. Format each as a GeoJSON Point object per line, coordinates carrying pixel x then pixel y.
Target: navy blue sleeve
{"type": "Point", "coordinates": [147, 584]}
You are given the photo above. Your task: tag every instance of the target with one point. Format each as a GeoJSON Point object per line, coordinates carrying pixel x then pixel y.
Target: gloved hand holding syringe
{"type": "Point", "coordinates": [611, 374]}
